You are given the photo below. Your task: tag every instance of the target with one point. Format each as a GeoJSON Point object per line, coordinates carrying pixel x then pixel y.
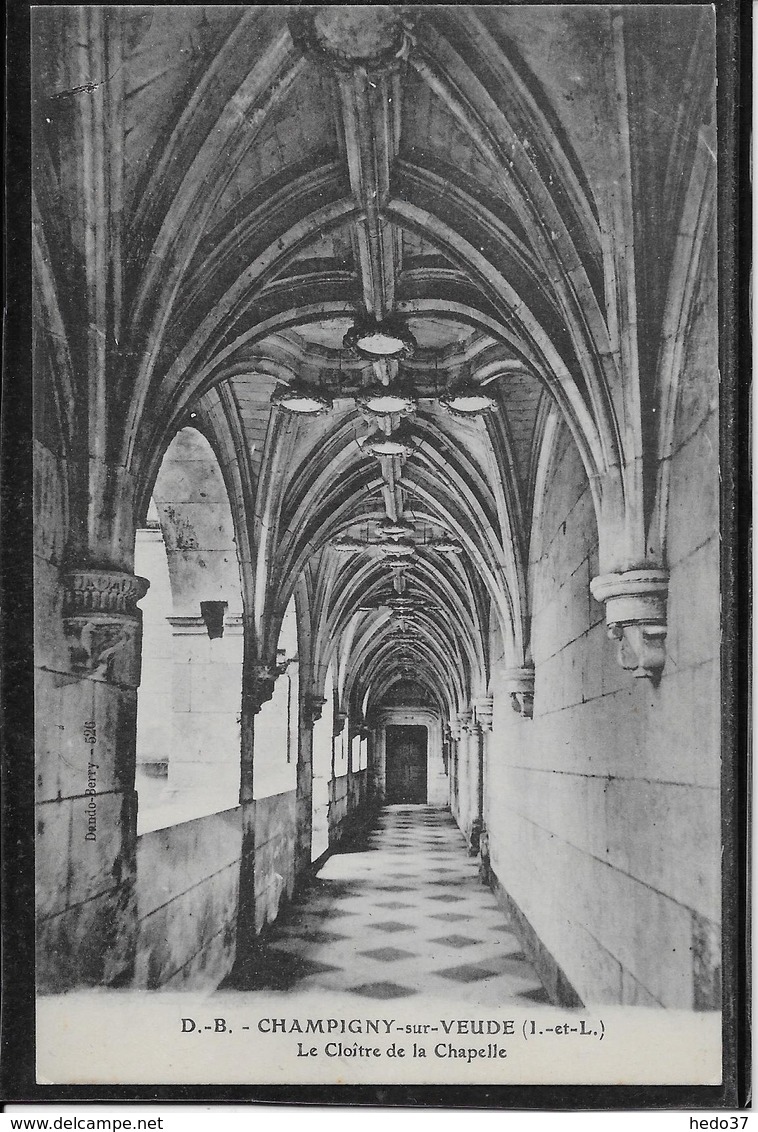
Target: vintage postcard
{"type": "Point", "coordinates": [379, 453]}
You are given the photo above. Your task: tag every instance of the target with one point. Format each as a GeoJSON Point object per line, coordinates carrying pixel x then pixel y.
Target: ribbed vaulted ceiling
{"type": "Point", "coordinates": [491, 181]}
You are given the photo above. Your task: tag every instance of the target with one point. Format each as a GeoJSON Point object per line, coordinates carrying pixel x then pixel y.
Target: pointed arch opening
{"type": "Point", "coordinates": [189, 701]}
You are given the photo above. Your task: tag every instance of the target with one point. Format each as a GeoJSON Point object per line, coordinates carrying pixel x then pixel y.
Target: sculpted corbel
{"type": "Point", "coordinates": [262, 680]}
{"type": "Point", "coordinates": [519, 683]}
{"type": "Point", "coordinates": [635, 614]}
{"type": "Point", "coordinates": [313, 706]}
{"type": "Point", "coordinates": [483, 712]}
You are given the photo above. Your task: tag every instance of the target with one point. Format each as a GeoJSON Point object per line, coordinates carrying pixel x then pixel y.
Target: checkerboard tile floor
{"type": "Point", "coordinates": [404, 915]}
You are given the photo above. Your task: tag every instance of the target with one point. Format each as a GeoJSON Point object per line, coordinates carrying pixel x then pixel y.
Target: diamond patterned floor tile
{"type": "Point", "coordinates": [467, 973]}
{"type": "Point", "coordinates": [457, 941]}
{"type": "Point", "coordinates": [391, 926]}
{"type": "Point", "coordinates": [321, 936]}
{"type": "Point", "coordinates": [388, 954]}
{"type": "Point", "coordinates": [539, 994]}
{"type": "Point", "coordinates": [323, 941]}
{"type": "Point", "coordinates": [382, 990]}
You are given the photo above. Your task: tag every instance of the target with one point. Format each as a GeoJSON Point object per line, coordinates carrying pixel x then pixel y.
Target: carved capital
{"type": "Point", "coordinates": [519, 683]}
{"type": "Point", "coordinates": [635, 614]}
{"type": "Point", "coordinates": [102, 624]}
{"type": "Point", "coordinates": [261, 683]}
{"type": "Point", "coordinates": [357, 730]}
{"type": "Point", "coordinates": [483, 712]}
{"type": "Point", "coordinates": [358, 725]}
{"type": "Point", "coordinates": [340, 719]}
{"type": "Point", "coordinates": [312, 708]}
{"type": "Point", "coordinates": [465, 721]}
{"type": "Point", "coordinates": [102, 591]}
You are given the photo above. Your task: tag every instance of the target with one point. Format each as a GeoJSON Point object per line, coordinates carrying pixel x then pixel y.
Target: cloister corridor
{"type": "Point", "coordinates": [378, 506]}
{"type": "Point", "coordinates": [400, 912]}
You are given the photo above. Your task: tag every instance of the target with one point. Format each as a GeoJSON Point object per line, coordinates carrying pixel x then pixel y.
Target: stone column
{"type": "Point", "coordinates": [258, 681]}
{"type": "Point", "coordinates": [310, 711]}
{"type": "Point", "coordinates": [483, 718]}
{"type": "Point", "coordinates": [87, 805]}
{"type": "Point", "coordinates": [465, 753]}
{"type": "Point", "coordinates": [377, 764]}
{"type": "Point", "coordinates": [476, 756]}
{"type": "Point", "coordinates": [364, 752]}
{"type": "Point", "coordinates": [454, 757]}
{"type": "Point", "coordinates": [372, 800]}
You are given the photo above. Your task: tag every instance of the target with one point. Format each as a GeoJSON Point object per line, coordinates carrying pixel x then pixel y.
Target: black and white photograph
{"type": "Point", "coordinates": [378, 545]}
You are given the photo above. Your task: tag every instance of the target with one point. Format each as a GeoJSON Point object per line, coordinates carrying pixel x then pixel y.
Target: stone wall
{"type": "Point", "coordinates": [603, 811]}
{"type": "Point", "coordinates": [338, 807]}
{"type": "Point", "coordinates": [273, 820]}
{"type": "Point", "coordinates": [357, 787]}
{"type": "Point", "coordinates": [348, 805]}
{"type": "Point", "coordinates": [188, 886]}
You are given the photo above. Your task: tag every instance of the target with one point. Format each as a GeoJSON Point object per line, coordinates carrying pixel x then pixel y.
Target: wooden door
{"type": "Point", "coordinates": [405, 767]}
